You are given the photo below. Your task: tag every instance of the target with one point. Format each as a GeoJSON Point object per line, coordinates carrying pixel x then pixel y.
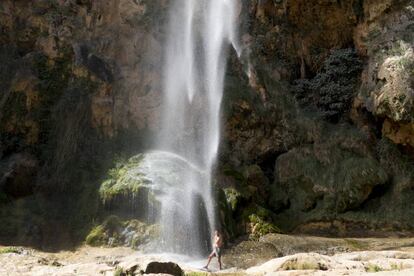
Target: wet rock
{"type": "Point", "coordinates": [93, 63]}
{"type": "Point", "coordinates": [250, 253]}
{"type": "Point", "coordinates": [255, 177]}
{"type": "Point", "coordinates": [18, 176]}
{"type": "Point", "coordinates": [130, 268]}
{"type": "Point", "coordinates": [114, 231]}
{"type": "Point", "coordinates": [125, 191]}
{"type": "Point", "coordinates": [349, 185]}
{"type": "Point", "coordinates": [49, 261]}
{"type": "Point", "coordinates": [164, 268]}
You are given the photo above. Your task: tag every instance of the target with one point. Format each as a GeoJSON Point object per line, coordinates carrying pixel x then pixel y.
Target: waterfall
{"type": "Point", "coordinates": [199, 35]}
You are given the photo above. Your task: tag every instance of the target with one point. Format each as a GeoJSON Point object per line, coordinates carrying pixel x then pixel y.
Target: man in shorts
{"type": "Point", "coordinates": [218, 243]}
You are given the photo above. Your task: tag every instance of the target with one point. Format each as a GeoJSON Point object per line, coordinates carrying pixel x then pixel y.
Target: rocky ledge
{"type": "Point", "coordinates": [273, 254]}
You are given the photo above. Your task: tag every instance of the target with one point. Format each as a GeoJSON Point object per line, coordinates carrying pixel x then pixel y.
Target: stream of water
{"type": "Point", "coordinates": [199, 35]}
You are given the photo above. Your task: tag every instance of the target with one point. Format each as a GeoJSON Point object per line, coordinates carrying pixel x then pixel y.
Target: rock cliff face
{"type": "Point", "coordinates": [80, 84]}
{"type": "Point", "coordinates": [318, 117]}
{"type": "Point", "coordinates": [325, 112]}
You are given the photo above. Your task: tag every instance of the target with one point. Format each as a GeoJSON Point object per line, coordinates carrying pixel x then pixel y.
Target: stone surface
{"type": "Point", "coordinates": [164, 268]}
{"type": "Point", "coordinates": [298, 256]}
{"type": "Point", "coordinates": [268, 124]}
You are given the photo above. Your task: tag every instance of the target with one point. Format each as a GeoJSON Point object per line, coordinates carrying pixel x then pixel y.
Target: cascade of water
{"type": "Point", "coordinates": [199, 34]}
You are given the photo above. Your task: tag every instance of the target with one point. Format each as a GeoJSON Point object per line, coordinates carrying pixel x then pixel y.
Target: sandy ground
{"type": "Point", "coordinates": [309, 256]}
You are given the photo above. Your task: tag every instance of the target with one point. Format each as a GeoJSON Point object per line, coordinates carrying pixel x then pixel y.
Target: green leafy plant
{"type": "Point", "coordinates": [373, 268]}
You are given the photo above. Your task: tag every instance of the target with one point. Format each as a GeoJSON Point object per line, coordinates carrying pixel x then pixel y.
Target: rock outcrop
{"type": "Point", "coordinates": [79, 81]}
{"type": "Point", "coordinates": [325, 112]}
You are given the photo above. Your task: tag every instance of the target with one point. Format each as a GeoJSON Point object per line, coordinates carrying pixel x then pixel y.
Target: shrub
{"type": "Point", "coordinates": [373, 268]}
{"type": "Point", "coordinates": [331, 91]}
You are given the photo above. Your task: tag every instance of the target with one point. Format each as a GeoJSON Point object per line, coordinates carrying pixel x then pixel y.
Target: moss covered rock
{"type": "Point", "coordinates": [114, 231]}
{"type": "Point", "coordinates": [136, 187]}
{"type": "Point", "coordinates": [127, 192]}
{"type": "Point", "coordinates": [233, 197]}
{"type": "Point", "coordinates": [327, 179]}
{"type": "Point", "coordinates": [122, 181]}
{"type": "Point", "coordinates": [343, 181]}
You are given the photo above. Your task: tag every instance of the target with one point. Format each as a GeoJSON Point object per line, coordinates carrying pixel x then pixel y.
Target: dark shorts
{"type": "Point", "coordinates": [217, 252]}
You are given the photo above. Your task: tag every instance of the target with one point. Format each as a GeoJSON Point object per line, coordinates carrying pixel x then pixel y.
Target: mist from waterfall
{"type": "Point", "coordinates": [199, 35]}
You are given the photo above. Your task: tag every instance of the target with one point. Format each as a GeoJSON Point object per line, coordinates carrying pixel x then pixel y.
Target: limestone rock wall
{"type": "Point", "coordinates": [80, 84]}
{"type": "Point", "coordinates": [325, 110]}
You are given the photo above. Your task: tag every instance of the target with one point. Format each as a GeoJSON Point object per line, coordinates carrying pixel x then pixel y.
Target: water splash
{"type": "Point", "coordinates": [199, 35]}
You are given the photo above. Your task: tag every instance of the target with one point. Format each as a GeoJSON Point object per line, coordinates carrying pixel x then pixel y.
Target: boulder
{"type": "Point", "coordinates": [326, 180]}
{"type": "Point", "coordinates": [164, 268]}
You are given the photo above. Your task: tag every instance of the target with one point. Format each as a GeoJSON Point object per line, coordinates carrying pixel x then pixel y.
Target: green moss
{"type": "Point", "coordinates": [97, 236]}
{"type": "Point", "coordinates": [199, 273]}
{"type": "Point", "coordinates": [398, 266]}
{"type": "Point", "coordinates": [121, 182]}
{"type": "Point", "coordinates": [232, 197]}
{"type": "Point", "coordinates": [356, 245]}
{"type": "Point", "coordinates": [119, 271]}
{"type": "Point", "coordinates": [6, 250]}
{"type": "Point", "coordinates": [300, 265]}
{"type": "Point", "coordinates": [240, 192]}
{"type": "Point", "coordinates": [257, 212]}
{"type": "Point", "coordinates": [114, 231]}
{"type": "Point", "coordinates": [226, 213]}
{"type": "Point", "coordinates": [373, 268]}
{"type": "Point", "coordinates": [101, 234]}
{"type": "Point", "coordinates": [196, 273]}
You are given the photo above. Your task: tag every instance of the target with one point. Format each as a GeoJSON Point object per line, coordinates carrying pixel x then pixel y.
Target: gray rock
{"type": "Point", "coordinates": [165, 268]}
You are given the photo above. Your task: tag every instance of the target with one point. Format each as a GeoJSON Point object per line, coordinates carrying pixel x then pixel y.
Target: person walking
{"type": "Point", "coordinates": [217, 245]}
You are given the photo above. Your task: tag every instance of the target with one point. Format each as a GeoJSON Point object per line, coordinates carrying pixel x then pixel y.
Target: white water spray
{"type": "Point", "coordinates": [199, 34]}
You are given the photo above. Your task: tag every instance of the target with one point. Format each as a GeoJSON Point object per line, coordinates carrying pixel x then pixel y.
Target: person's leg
{"type": "Point", "coordinates": [219, 261]}
{"type": "Point", "coordinates": [209, 259]}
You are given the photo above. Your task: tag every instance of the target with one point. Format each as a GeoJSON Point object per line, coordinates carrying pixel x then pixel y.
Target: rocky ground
{"type": "Point", "coordinates": [271, 255]}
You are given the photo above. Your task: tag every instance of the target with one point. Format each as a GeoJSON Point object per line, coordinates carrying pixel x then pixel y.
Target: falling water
{"type": "Point", "coordinates": [199, 34]}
